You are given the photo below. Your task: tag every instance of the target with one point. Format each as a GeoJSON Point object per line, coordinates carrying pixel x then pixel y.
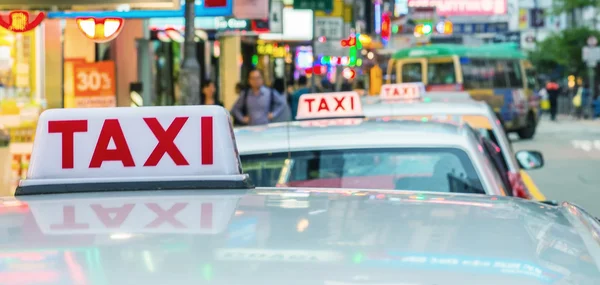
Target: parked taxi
{"type": "Point", "coordinates": [156, 196]}
{"type": "Point", "coordinates": [410, 101]}
{"type": "Point", "coordinates": [335, 147]}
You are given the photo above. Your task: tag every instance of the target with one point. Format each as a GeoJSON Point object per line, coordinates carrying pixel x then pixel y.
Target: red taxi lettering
{"type": "Point", "coordinates": [309, 101]}
{"type": "Point", "coordinates": [323, 105]}
{"type": "Point", "coordinates": [69, 222]}
{"type": "Point", "coordinates": [206, 134]}
{"type": "Point", "coordinates": [120, 214]}
{"type": "Point", "coordinates": [339, 102]}
{"type": "Point", "coordinates": [166, 216]}
{"type": "Point", "coordinates": [166, 141]}
{"type": "Point", "coordinates": [67, 130]}
{"type": "Point", "coordinates": [111, 130]}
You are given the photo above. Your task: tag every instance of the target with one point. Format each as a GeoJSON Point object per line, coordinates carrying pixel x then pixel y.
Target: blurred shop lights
{"type": "Point", "coordinates": [386, 26]}
{"type": "Point", "coordinates": [19, 21]}
{"type": "Point", "coordinates": [175, 35]}
{"type": "Point", "coordinates": [100, 30]}
{"type": "Point", "coordinates": [348, 73]}
{"type": "Point", "coordinates": [272, 49]}
{"type": "Point", "coordinates": [444, 27]}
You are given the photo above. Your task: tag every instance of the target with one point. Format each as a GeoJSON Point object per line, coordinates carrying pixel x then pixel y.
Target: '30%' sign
{"type": "Point", "coordinates": [94, 84]}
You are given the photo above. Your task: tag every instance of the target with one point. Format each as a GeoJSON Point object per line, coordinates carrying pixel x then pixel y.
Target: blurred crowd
{"type": "Point", "coordinates": [577, 102]}
{"type": "Point", "coordinates": [258, 104]}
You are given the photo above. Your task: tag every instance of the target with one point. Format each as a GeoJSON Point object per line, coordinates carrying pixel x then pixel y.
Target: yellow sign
{"type": "Point", "coordinates": [523, 19]}
{"type": "Point", "coordinates": [338, 10]}
{"type": "Point", "coordinates": [271, 49]}
{"type": "Point", "coordinates": [376, 80]}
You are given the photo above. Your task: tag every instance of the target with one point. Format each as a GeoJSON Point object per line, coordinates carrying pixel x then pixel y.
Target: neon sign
{"type": "Point", "coordinates": [18, 21]}
{"type": "Point", "coordinates": [100, 30]}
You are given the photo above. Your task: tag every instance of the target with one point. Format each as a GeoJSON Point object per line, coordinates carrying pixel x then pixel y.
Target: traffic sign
{"type": "Point", "coordinates": [332, 28]}
{"type": "Point", "coordinates": [325, 5]}
{"type": "Point", "coordinates": [276, 17]}
{"type": "Point", "coordinates": [94, 84]}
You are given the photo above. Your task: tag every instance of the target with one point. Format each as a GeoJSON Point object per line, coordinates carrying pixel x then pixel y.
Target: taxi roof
{"type": "Point", "coordinates": [275, 236]}
{"type": "Point", "coordinates": [324, 134]}
{"type": "Point", "coordinates": [467, 107]}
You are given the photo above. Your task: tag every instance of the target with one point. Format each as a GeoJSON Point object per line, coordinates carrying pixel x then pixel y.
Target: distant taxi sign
{"type": "Point", "coordinates": [402, 91]}
{"type": "Point", "coordinates": [132, 147]}
{"type": "Point", "coordinates": [329, 105]}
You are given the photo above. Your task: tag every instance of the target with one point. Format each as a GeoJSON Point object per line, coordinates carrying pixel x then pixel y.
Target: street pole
{"type": "Point", "coordinates": [592, 77]}
{"type": "Point", "coordinates": [313, 80]}
{"type": "Point", "coordinates": [189, 77]}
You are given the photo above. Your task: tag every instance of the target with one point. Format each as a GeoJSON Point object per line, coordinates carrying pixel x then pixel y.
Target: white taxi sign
{"type": "Point", "coordinates": [184, 143]}
{"type": "Point", "coordinates": [402, 91]}
{"type": "Point", "coordinates": [329, 105]}
{"type": "Point", "coordinates": [197, 214]}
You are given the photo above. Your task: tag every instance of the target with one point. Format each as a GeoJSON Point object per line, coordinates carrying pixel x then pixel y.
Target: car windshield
{"type": "Point", "coordinates": [426, 169]}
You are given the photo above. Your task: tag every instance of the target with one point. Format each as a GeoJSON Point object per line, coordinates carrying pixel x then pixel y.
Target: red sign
{"type": "Point", "coordinates": [19, 22]}
{"type": "Point", "coordinates": [386, 26]}
{"type": "Point", "coordinates": [111, 131]}
{"type": "Point", "coordinates": [463, 7]}
{"type": "Point", "coordinates": [94, 84]}
{"type": "Point", "coordinates": [215, 3]}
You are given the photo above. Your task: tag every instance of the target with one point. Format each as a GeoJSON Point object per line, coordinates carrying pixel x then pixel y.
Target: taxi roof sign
{"type": "Point", "coordinates": [329, 105]}
{"type": "Point", "coordinates": [402, 91]}
{"type": "Point", "coordinates": [104, 149]}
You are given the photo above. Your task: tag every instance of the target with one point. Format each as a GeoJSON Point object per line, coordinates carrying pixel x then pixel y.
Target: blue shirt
{"type": "Point", "coordinates": [296, 99]}
{"type": "Point", "coordinates": [258, 105]}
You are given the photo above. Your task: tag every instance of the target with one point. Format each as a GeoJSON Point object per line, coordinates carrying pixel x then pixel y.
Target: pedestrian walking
{"type": "Point", "coordinates": [208, 93]}
{"type": "Point", "coordinates": [258, 104]}
{"type": "Point", "coordinates": [553, 90]}
{"type": "Point", "coordinates": [580, 101]}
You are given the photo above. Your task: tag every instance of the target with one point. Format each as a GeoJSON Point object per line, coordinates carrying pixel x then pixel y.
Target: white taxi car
{"type": "Point", "coordinates": [351, 152]}
{"type": "Point", "coordinates": [409, 101]}
{"type": "Point", "coordinates": [155, 196]}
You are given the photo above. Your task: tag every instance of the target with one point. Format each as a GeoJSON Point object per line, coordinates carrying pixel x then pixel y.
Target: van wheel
{"type": "Point", "coordinates": [528, 132]}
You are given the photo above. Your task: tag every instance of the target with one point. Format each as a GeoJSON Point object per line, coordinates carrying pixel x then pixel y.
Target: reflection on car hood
{"type": "Point", "coordinates": [290, 236]}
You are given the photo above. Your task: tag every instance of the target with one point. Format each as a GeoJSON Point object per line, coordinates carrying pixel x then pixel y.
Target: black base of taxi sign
{"type": "Point", "coordinates": [133, 186]}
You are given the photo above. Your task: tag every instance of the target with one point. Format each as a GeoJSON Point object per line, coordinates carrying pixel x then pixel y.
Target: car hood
{"type": "Point", "coordinates": [291, 236]}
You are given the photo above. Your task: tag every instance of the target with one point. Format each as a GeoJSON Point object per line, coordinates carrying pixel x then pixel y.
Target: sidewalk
{"type": "Point", "coordinates": [565, 124]}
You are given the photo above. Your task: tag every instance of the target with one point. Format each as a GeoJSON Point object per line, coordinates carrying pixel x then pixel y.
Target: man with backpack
{"type": "Point", "coordinates": [258, 104]}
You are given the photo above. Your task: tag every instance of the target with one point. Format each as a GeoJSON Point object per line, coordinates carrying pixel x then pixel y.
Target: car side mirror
{"type": "Point", "coordinates": [530, 159]}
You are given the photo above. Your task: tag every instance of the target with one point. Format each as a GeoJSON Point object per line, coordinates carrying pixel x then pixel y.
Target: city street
{"type": "Point", "coordinates": [572, 156]}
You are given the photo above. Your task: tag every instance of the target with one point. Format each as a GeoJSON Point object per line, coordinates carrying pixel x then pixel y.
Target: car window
{"type": "Point", "coordinates": [440, 170]}
{"type": "Point", "coordinates": [412, 72]}
{"type": "Point", "coordinates": [440, 73]}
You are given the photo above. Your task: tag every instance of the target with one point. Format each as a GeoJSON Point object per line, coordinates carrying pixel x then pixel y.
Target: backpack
{"type": "Point", "coordinates": [244, 108]}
